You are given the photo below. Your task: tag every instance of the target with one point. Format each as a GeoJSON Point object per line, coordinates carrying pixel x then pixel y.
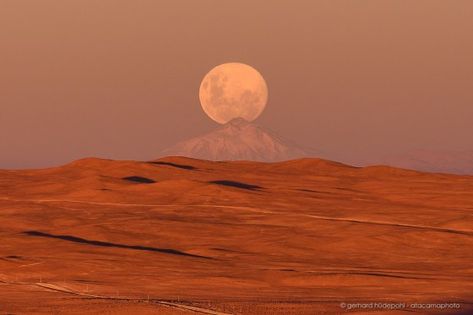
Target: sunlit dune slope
{"type": "Point", "coordinates": [294, 237]}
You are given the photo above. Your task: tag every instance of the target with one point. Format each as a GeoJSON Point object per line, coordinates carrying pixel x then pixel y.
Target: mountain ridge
{"type": "Point", "coordinates": [239, 140]}
{"type": "Point", "coordinates": [436, 161]}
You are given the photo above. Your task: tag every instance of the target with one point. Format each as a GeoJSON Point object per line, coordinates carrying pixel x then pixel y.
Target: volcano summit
{"type": "Point", "coordinates": [239, 140]}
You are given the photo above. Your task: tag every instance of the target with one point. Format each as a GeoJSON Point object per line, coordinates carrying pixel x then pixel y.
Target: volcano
{"type": "Point", "coordinates": [239, 140]}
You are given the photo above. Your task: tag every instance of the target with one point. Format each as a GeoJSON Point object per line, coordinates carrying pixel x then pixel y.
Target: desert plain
{"type": "Point", "coordinates": [185, 236]}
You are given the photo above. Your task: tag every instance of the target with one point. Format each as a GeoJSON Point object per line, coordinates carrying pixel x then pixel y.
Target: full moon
{"type": "Point", "coordinates": [233, 90]}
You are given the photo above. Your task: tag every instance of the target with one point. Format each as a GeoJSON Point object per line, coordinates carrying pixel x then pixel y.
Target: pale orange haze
{"type": "Point", "coordinates": [120, 79]}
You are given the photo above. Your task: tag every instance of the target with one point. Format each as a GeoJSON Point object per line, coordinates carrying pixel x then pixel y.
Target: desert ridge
{"type": "Point", "coordinates": [242, 237]}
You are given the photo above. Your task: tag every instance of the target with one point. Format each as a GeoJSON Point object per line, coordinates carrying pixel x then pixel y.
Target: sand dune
{"type": "Point", "coordinates": [180, 235]}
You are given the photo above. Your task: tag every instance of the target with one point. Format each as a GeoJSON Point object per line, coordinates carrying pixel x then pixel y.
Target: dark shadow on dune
{"type": "Point", "coordinates": [80, 240]}
{"type": "Point", "coordinates": [181, 166]}
{"type": "Point", "coordinates": [234, 184]}
{"type": "Point", "coordinates": [11, 258]}
{"type": "Point", "coordinates": [139, 179]}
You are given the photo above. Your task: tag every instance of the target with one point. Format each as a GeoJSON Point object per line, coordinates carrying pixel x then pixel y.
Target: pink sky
{"type": "Point", "coordinates": [119, 79]}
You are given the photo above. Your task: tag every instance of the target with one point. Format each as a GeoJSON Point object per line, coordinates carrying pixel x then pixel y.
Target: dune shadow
{"type": "Point", "coordinates": [80, 240]}
{"type": "Point", "coordinates": [234, 184]}
{"type": "Point", "coordinates": [181, 166]}
{"type": "Point", "coordinates": [139, 179]}
{"type": "Point", "coordinates": [11, 258]}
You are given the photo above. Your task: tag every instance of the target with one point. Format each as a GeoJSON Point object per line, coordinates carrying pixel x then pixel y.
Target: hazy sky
{"type": "Point", "coordinates": [120, 79]}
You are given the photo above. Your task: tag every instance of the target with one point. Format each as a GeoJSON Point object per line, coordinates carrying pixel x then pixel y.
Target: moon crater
{"type": "Point", "coordinates": [233, 90]}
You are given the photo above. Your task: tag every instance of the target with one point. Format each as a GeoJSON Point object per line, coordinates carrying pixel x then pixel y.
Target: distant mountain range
{"type": "Point", "coordinates": [452, 162]}
{"type": "Point", "coordinates": [239, 140]}
{"type": "Point", "coordinates": [243, 140]}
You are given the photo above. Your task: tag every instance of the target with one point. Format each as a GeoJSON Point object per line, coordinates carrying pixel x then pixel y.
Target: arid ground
{"type": "Point", "coordinates": [183, 236]}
